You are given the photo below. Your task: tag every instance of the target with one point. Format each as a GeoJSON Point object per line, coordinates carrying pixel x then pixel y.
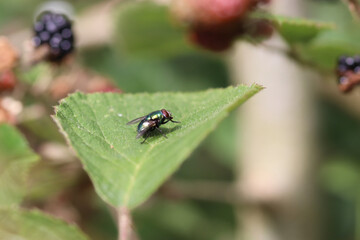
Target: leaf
{"type": "Point", "coordinates": [124, 171]}
{"type": "Point", "coordinates": [37, 72]}
{"type": "Point", "coordinates": [43, 128]}
{"type": "Point", "coordinates": [324, 55]}
{"type": "Point", "coordinates": [297, 30]}
{"type": "Point", "coordinates": [341, 176]}
{"type": "Point", "coordinates": [34, 225]}
{"type": "Point", "coordinates": [186, 72]}
{"type": "Point", "coordinates": [48, 180]}
{"type": "Point", "coordinates": [15, 160]}
{"type": "Point", "coordinates": [136, 20]}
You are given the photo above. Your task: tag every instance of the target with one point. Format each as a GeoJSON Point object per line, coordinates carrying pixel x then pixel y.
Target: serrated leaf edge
{"type": "Point", "coordinates": [252, 90]}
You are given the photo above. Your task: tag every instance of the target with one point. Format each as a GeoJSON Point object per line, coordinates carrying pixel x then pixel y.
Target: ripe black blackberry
{"type": "Point", "coordinates": [54, 30]}
{"type": "Point", "coordinates": [348, 72]}
{"type": "Point", "coordinates": [346, 63]}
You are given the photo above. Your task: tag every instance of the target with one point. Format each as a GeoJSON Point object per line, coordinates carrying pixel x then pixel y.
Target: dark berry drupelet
{"type": "Point", "coordinates": [346, 63]}
{"type": "Point", "coordinates": [348, 72]}
{"type": "Point", "coordinates": [54, 30]}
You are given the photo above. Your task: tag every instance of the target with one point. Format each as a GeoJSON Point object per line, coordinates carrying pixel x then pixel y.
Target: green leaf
{"type": "Point", "coordinates": [43, 128]}
{"type": "Point", "coordinates": [324, 55]}
{"type": "Point", "coordinates": [15, 160]}
{"type": "Point", "coordinates": [34, 225]}
{"type": "Point", "coordinates": [136, 20]}
{"type": "Point", "coordinates": [181, 73]}
{"type": "Point", "coordinates": [297, 30]}
{"type": "Point", "coordinates": [341, 177]}
{"type": "Point", "coordinates": [35, 73]}
{"type": "Point", "coordinates": [125, 172]}
{"type": "Point", "coordinates": [48, 180]}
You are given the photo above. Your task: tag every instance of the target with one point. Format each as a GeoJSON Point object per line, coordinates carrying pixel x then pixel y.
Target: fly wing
{"type": "Point", "coordinates": [146, 129]}
{"type": "Point", "coordinates": [142, 132]}
{"type": "Point", "coordinates": [136, 120]}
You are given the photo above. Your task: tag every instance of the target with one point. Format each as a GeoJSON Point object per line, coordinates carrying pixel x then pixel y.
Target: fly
{"type": "Point", "coordinates": [151, 122]}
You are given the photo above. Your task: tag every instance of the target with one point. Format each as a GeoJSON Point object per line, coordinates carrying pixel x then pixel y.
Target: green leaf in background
{"type": "Point", "coordinates": [325, 49]}
{"type": "Point", "coordinates": [181, 73]}
{"type": "Point", "coordinates": [15, 160]}
{"type": "Point", "coordinates": [35, 73]}
{"type": "Point", "coordinates": [341, 177]}
{"type": "Point", "coordinates": [145, 29]}
{"type": "Point", "coordinates": [125, 173]}
{"type": "Point", "coordinates": [34, 225]}
{"type": "Point", "coordinates": [44, 128]}
{"type": "Point", "coordinates": [325, 55]}
{"type": "Point", "coordinates": [296, 30]}
{"type": "Point", "coordinates": [185, 220]}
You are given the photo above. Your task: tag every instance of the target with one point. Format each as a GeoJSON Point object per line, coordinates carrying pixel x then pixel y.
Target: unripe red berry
{"type": "Point", "coordinates": [211, 12]}
{"type": "Point", "coordinates": [104, 88]}
{"type": "Point", "coordinates": [260, 29]}
{"type": "Point", "coordinates": [8, 55]}
{"type": "Point", "coordinates": [7, 80]}
{"type": "Point", "coordinates": [215, 39]}
{"type": "Point", "coordinates": [218, 12]}
{"type": "Point", "coordinates": [210, 40]}
{"type": "Point", "coordinates": [216, 24]}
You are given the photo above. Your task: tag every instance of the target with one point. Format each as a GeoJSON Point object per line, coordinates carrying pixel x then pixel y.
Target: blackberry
{"type": "Point", "coordinates": [357, 64]}
{"type": "Point", "coordinates": [346, 63]}
{"type": "Point", "coordinates": [348, 71]}
{"type": "Point", "coordinates": [54, 30]}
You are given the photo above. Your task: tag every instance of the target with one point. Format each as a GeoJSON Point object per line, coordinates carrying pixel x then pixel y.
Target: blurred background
{"type": "Point", "coordinates": [284, 167]}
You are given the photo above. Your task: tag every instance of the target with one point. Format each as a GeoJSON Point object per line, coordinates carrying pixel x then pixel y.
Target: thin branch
{"type": "Point", "coordinates": [125, 225]}
{"type": "Point", "coordinates": [354, 8]}
{"type": "Point", "coordinates": [201, 190]}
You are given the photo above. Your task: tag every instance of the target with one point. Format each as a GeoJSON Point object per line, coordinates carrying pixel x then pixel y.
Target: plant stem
{"type": "Point", "coordinates": [202, 190]}
{"type": "Point", "coordinates": [125, 225]}
{"type": "Point", "coordinates": [354, 8]}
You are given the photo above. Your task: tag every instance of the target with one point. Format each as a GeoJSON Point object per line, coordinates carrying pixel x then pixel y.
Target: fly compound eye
{"type": "Point", "coordinates": [165, 113]}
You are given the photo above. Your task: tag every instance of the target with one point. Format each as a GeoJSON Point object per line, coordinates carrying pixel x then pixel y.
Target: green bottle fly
{"type": "Point", "coordinates": [151, 122]}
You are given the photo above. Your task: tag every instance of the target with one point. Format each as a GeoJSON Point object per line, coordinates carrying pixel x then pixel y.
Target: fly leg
{"type": "Point", "coordinates": [161, 132]}
{"type": "Point", "coordinates": [146, 135]}
{"type": "Point", "coordinates": [145, 131]}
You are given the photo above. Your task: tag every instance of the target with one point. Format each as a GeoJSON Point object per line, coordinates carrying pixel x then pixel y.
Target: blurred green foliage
{"type": "Point", "coordinates": [296, 30]}
{"type": "Point", "coordinates": [149, 45]}
{"type": "Point", "coordinates": [329, 45]}
{"type": "Point", "coordinates": [180, 73]}
{"type": "Point", "coordinates": [34, 225]}
{"type": "Point", "coordinates": [185, 220]}
{"type": "Point", "coordinates": [16, 158]}
{"type": "Point", "coordinates": [151, 32]}
{"type": "Point", "coordinates": [340, 172]}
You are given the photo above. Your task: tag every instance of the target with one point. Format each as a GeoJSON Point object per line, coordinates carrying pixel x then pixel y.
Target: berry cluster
{"type": "Point", "coordinates": [348, 71]}
{"type": "Point", "coordinates": [216, 24]}
{"type": "Point", "coordinates": [55, 31]}
{"type": "Point", "coordinates": [346, 63]}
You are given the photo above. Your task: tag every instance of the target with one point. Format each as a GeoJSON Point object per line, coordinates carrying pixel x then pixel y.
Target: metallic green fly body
{"type": "Point", "coordinates": [151, 122]}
